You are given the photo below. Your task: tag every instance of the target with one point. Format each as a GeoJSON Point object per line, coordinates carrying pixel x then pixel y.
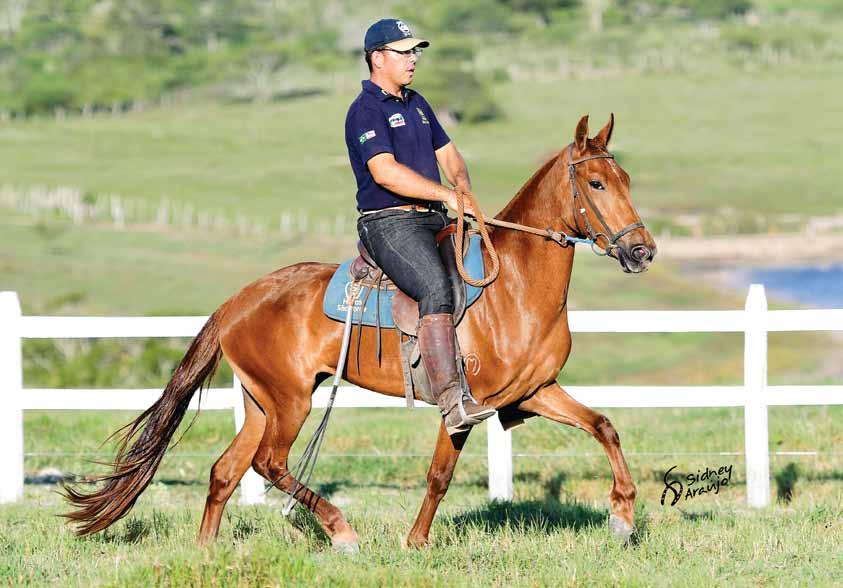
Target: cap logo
{"type": "Point", "coordinates": [403, 28]}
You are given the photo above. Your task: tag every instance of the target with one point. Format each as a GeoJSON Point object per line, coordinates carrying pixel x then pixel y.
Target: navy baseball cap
{"type": "Point", "coordinates": [392, 33]}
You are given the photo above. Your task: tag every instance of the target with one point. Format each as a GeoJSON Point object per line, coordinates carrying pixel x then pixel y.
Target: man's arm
{"type": "Point", "coordinates": [453, 165]}
{"type": "Point", "coordinates": [402, 180]}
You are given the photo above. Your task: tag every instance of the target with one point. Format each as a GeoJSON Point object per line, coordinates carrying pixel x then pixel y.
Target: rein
{"type": "Point", "coordinates": [560, 237]}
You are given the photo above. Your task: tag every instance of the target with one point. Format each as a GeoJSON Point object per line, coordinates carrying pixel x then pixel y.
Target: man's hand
{"type": "Point", "coordinates": [469, 201]}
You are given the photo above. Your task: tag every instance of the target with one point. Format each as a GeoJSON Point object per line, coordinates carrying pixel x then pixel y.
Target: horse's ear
{"type": "Point", "coordinates": [581, 135]}
{"type": "Point", "coordinates": [605, 134]}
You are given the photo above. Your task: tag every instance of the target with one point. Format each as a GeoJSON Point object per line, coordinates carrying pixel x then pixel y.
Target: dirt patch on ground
{"type": "Point", "coordinates": [773, 249]}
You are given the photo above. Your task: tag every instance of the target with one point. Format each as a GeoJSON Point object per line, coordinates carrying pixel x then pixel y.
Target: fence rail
{"type": "Point", "coordinates": [755, 321]}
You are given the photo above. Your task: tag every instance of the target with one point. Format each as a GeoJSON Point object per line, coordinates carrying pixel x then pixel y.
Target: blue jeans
{"type": "Point", "coordinates": [403, 243]}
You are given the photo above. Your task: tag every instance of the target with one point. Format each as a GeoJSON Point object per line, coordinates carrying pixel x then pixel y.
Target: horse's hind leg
{"type": "Point", "coordinates": [230, 467]}
{"type": "Point", "coordinates": [284, 421]}
{"type": "Point", "coordinates": [554, 403]}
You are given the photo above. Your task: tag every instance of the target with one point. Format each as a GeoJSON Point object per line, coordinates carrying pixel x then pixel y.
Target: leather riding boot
{"type": "Point", "coordinates": [437, 346]}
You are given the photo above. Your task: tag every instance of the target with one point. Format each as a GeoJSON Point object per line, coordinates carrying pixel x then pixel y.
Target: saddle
{"type": "Point", "coordinates": [393, 309]}
{"type": "Point", "coordinates": [405, 310]}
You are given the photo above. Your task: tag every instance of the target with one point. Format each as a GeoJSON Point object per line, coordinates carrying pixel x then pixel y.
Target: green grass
{"type": "Point", "coordinates": [697, 142]}
{"type": "Point", "coordinates": [693, 143]}
{"type": "Point", "coordinates": [553, 533]}
{"type": "Point", "coordinates": [690, 142]}
{"type": "Point", "coordinates": [758, 140]}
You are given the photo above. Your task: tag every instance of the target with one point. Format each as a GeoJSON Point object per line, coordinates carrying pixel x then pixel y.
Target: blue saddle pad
{"type": "Point", "coordinates": [334, 303]}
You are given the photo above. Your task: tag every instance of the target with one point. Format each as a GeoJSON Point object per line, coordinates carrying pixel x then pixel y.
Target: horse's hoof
{"type": "Point", "coordinates": [414, 543]}
{"type": "Point", "coordinates": [621, 530]}
{"type": "Point", "coordinates": [346, 547]}
{"type": "Point", "coordinates": [345, 542]}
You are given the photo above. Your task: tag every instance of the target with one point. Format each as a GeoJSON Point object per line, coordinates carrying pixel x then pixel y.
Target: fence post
{"type": "Point", "coordinates": [755, 410]}
{"type": "Point", "coordinates": [251, 485]}
{"type": "Point", "coordinates": [500, 460]}
{"type": "Point", "coordinates": [11, 389]}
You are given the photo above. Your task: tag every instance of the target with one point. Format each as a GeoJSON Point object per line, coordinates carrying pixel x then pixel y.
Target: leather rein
{"type": "Point", "coordinates": [580, 200]}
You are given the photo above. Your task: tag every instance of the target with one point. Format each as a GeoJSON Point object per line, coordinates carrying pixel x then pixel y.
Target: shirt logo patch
{"type": "Point", "coordinates": [403, 28]}
{"type": "Point", "coordinates": [366, 136]}
{"type": "Point", "coordinates": [396, 120]}
{"type": "Point", "coordinates": [423, 117]}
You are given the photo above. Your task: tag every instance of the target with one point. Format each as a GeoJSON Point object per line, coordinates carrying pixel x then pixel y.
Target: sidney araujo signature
{"type": "Point", "coordinates": [707, 481]}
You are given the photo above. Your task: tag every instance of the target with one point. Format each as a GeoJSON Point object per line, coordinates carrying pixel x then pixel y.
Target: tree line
{"type": "Point", "coordinates": [91, 55]}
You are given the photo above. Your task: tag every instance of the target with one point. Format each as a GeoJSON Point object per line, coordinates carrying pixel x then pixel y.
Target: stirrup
{"type": "Point", "coordinates": [467, 421]}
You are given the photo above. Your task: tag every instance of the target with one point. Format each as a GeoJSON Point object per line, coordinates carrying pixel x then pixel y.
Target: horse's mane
{"type": "Point", "coordinates": [524, 200]}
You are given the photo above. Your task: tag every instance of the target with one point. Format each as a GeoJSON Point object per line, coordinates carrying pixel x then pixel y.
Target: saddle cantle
{"type": "Point", "coordinates": [381, 303]}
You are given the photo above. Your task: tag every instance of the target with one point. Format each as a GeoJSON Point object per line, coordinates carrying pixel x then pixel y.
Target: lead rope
{"type": "Point", "coordinates": [303, 470]}
{"type": "Point", "coordinates": [484, 233]}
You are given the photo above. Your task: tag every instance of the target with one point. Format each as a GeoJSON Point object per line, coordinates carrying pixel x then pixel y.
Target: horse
{"type": "Point", "coordinates": [281, 347]}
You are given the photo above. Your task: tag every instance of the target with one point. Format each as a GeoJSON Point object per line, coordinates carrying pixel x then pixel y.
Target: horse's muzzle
{"type": "Point", "coordinates": [637, 258]}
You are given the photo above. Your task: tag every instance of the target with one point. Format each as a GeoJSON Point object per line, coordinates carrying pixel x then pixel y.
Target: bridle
{"type": "Point", "coordinates": [579, 200]}
{"type": "Point", "coordinates": [579, 206]}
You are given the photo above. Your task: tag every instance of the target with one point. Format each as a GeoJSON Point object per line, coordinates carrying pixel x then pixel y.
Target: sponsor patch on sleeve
{"type": "Point", "coordinates": [366, 136]}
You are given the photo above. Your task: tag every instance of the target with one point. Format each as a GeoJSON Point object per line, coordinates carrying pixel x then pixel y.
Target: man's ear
{"type": "Point", "coordinates": [581, 134]}
{"type": "Point", "coordinates": [605, 135]}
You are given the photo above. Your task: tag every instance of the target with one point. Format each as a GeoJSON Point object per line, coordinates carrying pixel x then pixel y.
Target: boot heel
{"type": "Point", "coordinates": [457, 429]}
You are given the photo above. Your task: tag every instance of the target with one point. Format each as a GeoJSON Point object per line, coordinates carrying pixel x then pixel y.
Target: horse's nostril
{"type": "Point", "coordinates": [640, 253]}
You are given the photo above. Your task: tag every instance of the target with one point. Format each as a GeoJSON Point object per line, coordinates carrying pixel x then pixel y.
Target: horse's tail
{"type": "Point", "coordinates": [144, 441]}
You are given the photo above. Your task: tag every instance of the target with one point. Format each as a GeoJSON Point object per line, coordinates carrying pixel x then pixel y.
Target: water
{"type": "Point", "coordinates": [820, 287]}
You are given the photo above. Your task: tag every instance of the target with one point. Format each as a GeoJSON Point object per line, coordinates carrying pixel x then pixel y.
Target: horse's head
{"type": "Point", "coordinates": [602, 209]}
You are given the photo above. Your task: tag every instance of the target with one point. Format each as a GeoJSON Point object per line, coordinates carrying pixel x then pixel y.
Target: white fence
{"type": "Point", "coordinates": [755, 396]}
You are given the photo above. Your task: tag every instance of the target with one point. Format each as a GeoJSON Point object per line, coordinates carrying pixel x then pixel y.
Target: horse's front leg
{"type": "Point", "coordinates": [554, 403]}
{"type": "Point", "coordinates": [438, 479]}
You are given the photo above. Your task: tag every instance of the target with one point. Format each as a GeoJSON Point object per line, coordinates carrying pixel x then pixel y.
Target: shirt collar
{"type": "Point", "coordinates": [373, 88]}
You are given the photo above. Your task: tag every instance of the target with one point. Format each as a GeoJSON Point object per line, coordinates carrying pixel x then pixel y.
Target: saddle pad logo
{"type": "Point", "coordinates": [423, 117]}
{"type": "Point", "coordinates": [396, 120]}
{"type": "Point", "coordinates": [366, 136]}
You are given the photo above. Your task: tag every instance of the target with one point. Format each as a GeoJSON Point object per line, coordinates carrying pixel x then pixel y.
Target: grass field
{"type": "Point", "coordinates": [762, 142]}
{"type": "Point", "coordinates": [690, 142]}
{"type": "Point", "coordinates": [553, 533]}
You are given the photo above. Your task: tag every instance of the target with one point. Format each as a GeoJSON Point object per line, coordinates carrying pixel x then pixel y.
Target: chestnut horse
{"type": "Point", "coordinates": [281, 346]}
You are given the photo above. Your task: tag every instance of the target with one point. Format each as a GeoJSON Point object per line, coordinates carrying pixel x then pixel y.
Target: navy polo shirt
{"type": "Point", "coordinates": [379, 122]}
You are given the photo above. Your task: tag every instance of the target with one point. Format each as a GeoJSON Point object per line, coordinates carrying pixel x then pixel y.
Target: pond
{"type": "Point", "coordinates": [815, 286]}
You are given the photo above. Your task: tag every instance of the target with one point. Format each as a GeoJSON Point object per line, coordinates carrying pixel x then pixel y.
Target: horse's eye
{"type": "Point", "coordinates": [596, 185]}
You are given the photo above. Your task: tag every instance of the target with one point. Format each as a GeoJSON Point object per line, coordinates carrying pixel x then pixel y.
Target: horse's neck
{"type": "Point", "coordinates": [537, 269]}
{"type": "Point", "coordinates": [538, 202]}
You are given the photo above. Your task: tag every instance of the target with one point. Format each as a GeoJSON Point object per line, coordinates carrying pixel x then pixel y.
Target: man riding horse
{"type": "Point", "coordinates": [281, 344]}
{"type": "Point", "coordinates": [394, 143]}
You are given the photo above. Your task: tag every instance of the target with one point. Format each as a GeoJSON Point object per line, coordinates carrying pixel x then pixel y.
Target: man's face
{"type": "Point", "coordinates": [397, 67]}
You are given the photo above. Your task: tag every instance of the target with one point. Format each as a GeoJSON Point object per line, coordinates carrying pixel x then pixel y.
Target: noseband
{"type": "Point", "coordinates": [581, 198]}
